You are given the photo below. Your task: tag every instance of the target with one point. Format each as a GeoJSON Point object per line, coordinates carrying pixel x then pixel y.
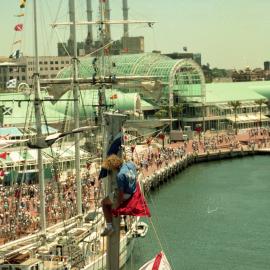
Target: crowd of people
{"type": "Point", "coordinates": [19, 204]}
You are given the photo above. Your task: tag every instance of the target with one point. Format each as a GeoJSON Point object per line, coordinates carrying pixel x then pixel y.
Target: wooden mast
{"type": "Point", "coordinates": [75, 87]}
{"type": "Point", "coordinates": [37, 105]}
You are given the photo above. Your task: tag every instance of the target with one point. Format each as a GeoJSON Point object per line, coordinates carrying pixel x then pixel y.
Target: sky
{"type": "Point", "coordinates": [228, 33]}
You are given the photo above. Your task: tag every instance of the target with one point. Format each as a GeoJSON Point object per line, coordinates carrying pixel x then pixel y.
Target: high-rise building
{"type": "Point", "coordinates": [22, 69]}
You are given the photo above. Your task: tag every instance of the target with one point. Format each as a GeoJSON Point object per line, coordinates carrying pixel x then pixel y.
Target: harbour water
{"type": "Point", "coordinates": [212, 216]}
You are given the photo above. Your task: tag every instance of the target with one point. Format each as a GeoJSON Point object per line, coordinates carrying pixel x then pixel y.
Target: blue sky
{"type": "Point", "coordinates": [228, 33]}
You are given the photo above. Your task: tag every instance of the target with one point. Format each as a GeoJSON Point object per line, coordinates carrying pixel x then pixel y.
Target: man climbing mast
{"type": "Point", "coordinates": [123, 176]}
{"type": "Point", "coordinates": [126, 183]}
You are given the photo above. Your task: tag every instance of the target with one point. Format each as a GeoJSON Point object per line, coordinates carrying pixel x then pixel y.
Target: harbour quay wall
{"type": "Point", "coordinates": [174, 167]}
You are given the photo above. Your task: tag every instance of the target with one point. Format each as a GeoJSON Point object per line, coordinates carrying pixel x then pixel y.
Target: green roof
{"type": "Point", "coordinates": [89, 101]}
{"type": "Point", "coordinates": [242, 91]}
{"type": "Point", "coordinates": [22, 111]}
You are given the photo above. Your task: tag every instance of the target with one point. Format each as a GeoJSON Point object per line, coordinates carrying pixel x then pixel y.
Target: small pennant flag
{"type": "Point", "coordinates": [22, 3]}
{"type": "Point", "coordinates": [18, 27]}
{"type": "Point", "coordinates": [114, 96]}
{"type": "Point", "coordinates": [19, 15]}
{"type": "Point", "coordinates": [17, 41]}
{"type": "Point", "coordinates": [3, 155]}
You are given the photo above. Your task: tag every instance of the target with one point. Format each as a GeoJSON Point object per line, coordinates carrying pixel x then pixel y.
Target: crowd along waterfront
{"type": "Point", "coordinates": [212, 216]}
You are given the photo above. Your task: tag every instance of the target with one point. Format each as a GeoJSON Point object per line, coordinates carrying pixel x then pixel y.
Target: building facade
{"type": "Point", "coordinates": [22, 69]}
{"type": "Point", "coordinates": [218, 113]}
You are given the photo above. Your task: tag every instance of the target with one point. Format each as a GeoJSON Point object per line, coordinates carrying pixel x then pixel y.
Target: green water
{"type": "Point", "coordinates": [212, 216]}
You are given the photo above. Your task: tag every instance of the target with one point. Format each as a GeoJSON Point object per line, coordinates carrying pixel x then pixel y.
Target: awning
{"type": "Point", "coordinates": [10, 131]}
{"type": "Point", "coordinates": [66, 152]}
{"type": "Point", "coordinates": [247, 118]}
{"type": "Point", "coordinates": [46, 129]}
{"type": "Point", "coordinates": [223, 106]}
{"type": "Point", "coordinates": [31, 155]}
{"type": "Point", "coordinates": [19, 156]}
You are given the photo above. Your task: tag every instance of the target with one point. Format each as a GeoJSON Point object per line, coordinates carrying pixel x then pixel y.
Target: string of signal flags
{"type": "Point", "coordinates": [18, 28]}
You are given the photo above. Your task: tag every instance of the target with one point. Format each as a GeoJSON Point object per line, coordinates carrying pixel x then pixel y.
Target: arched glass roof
{"type": "Point", "coordinates": [184, 77]}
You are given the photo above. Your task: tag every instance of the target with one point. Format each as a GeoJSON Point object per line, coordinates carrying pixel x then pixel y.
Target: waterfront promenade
{"type": "Point", "coordinates": [19, 205]}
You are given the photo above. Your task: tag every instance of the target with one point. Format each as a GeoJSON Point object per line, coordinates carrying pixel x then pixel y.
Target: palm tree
{"type": "Point", "coordinates": [260, 102]}
{"type": "Point", "coordinates": [161, 113]}
{"type": "Point", "coordinates": [178, 111]}
{"type": "Point", "coordinates": [235, 104]}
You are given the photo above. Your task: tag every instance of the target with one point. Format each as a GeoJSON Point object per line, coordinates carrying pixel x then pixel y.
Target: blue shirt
{"type": "Point", "coordinates": [126, 178]}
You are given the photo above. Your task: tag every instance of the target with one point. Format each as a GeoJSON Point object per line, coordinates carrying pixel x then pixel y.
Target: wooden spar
{"type": "Point", "coordinates": [107, 79]}
{"type": "Point", "coordinates": [150, 23]}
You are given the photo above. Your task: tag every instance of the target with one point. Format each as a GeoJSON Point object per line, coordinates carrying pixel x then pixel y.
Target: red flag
{"type": "Point", "coordinates": [18, 27]}
{"type": "Point", "coordinates": [125, 50]}
{"type": "Point", "coordinates": [135, 206]}
{"type": "Point", "coordinates": [3, 155]}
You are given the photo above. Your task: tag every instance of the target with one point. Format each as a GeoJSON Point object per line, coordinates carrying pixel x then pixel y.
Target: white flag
{"type": "Point", "coordinates": [11, 83]}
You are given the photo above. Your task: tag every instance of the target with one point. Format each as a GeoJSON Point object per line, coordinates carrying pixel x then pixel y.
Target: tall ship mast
{"type": "Point", "coordinates": [73, 243]}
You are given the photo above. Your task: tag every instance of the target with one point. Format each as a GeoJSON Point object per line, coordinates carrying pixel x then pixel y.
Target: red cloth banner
{"type": "Point", "coordinates": [135, 206]}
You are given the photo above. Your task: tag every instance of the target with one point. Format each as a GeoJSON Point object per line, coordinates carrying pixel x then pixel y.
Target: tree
{"type": "Point", "coordinates": [178, 111]}
{"type": "Point", "coordinates": [260, 102]}
{"type": "Point", "coordinates": [235, 104]}
{"type": "Point", "coordinates": [161, 113]}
